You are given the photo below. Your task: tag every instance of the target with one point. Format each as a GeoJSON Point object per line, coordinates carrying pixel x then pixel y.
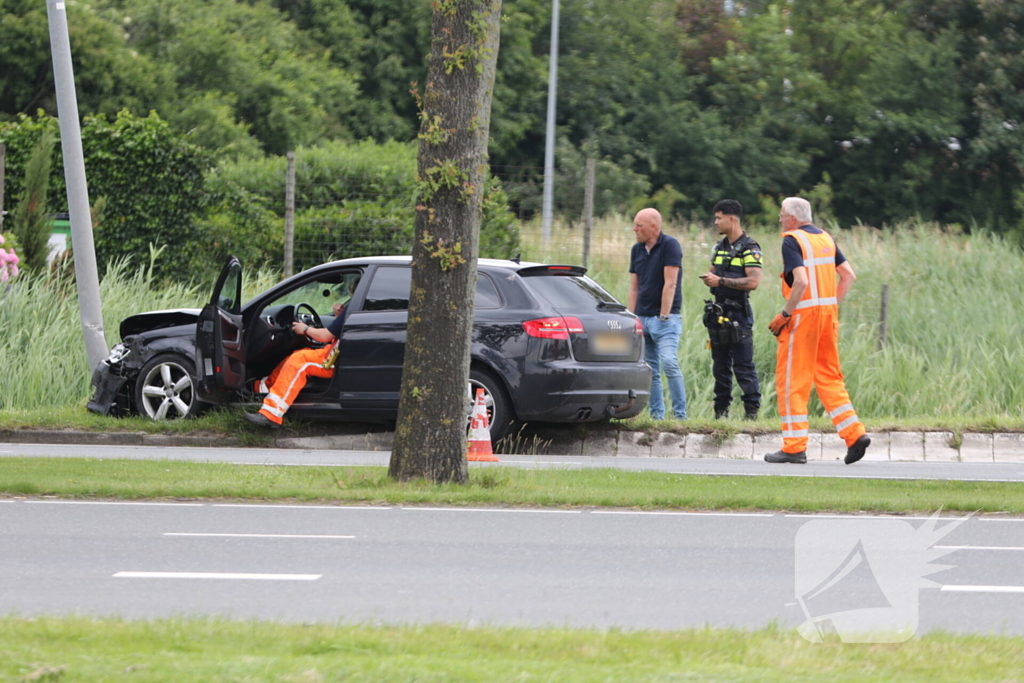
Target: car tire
{"type": "Point", "coordinates": [166, 388]}
{"type": "Point", "coordinates": [499, 405]}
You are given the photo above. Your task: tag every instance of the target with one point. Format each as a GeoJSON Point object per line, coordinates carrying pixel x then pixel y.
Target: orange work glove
{"type": "Point", "coordinates": [778, 323]}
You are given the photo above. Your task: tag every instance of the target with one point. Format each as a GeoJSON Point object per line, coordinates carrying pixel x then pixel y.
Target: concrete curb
{"type": "Point", "coordinates": [885, 446]}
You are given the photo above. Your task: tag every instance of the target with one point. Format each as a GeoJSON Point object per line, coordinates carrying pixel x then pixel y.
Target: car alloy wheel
{"type": "Point", "coordinates": [165, 389]}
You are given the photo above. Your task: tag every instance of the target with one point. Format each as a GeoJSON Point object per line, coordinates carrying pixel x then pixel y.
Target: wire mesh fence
{"type": "Point", "coordinates": [335, 221]}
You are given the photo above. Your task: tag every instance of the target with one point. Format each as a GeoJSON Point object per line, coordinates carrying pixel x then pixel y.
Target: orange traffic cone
{"type": "Point", "coordinates": [479, 447]}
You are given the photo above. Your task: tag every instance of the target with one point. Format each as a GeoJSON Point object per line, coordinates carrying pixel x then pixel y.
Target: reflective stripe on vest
{"type": "Point", "coordinates": [819, 252]}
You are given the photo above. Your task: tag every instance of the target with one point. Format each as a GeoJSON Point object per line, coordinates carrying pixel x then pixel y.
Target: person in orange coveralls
{"type": "Point", "coordinates": [288, 378]}
{"type": "Point", "coordinates": [808, 333]}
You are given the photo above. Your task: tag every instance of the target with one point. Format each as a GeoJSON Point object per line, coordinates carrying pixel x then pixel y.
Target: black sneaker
{"type": "Point", "coordinates": [721, 412]}
{"type": "Point", "coordinates": [261, 420]}
{"type": "Point", "coordinates": [750, 413]}
{"type": "Point", "coordinates": [782, 456]}
{"type": "Point", "coordinates": [856, 451]}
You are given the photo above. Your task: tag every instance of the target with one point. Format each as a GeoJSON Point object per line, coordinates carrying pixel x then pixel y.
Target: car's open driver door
{"type": "Point", "coordinates": [220, 342]}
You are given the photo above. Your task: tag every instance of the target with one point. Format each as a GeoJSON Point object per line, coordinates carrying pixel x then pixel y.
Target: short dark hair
{"type": "Point", "coordinates": [729, 207]}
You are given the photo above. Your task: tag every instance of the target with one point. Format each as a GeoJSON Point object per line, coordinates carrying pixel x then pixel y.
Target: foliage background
{"type": "Point", "coordinates": [895, 109]}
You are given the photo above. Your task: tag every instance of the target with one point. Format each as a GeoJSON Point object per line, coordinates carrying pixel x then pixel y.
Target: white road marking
{"type": "Point", "coordinates": [976, 547]}
{"type": "Point", "coordinates": [983, 589]}
{"type": "Point", "coordinates": [302, 507]}
{"type": "Point", "coordinates": [548, 512]}
{"type": "Point", "coordinates": [687, 514]}
{"type": "Point", "coordinates": [111, 502]}
{"type": "Point", "coordinates": [217, 575]}
{"type": "Point", "coordinates": [1001, 519]}
{"type": "Point", "coordinates": [186, 533]}
{"type": "Point", "coordinates": [893, 516]}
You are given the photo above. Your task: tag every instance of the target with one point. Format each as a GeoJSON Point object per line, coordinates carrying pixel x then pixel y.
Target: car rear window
{"type": "Point", "coordinates": [568, 291]}
{"type": "Point", "coordinates": [389, 291]}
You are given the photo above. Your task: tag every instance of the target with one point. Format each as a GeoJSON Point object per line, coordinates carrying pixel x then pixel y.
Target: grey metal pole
{"type": "Point", "coordinates": [90, 308]}
{"type": "Point", "coordinates": [549, 144]}
{"type": "Point", "coordinates": [289, 216]}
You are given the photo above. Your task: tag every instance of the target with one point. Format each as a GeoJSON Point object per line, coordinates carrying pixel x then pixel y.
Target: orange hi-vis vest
{"type": "Point", "coordinates": [819, 253]}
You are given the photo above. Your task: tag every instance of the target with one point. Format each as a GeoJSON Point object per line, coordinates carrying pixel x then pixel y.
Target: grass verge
{"type": "Point", "coordinates": [128, 479]}
{"type": "Point", "coordinates": [183, 651]}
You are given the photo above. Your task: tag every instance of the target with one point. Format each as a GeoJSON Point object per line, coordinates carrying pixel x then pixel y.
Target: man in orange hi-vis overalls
{"type": "Point", "coordinates": [808, 332]}
{"type": "Point", "coordinates": [289, 377]}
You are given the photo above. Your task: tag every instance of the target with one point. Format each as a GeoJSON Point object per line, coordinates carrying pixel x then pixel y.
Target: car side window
{"type": "Point", "coordinates": [389, 289]}
{"type": "Point", "coordinates": [486, 295]}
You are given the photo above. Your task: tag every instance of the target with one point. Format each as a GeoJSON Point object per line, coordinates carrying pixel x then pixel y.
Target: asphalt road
{"type": "Point", "coordinates": [594, 568]}
{"type": "Point", "coordinates": [964, 471]}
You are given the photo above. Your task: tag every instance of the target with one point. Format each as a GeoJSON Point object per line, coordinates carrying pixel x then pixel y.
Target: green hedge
{"type": "Point", "coordinates": [152, 179]}
{"type": "Point", "coordinates": [357, 200]}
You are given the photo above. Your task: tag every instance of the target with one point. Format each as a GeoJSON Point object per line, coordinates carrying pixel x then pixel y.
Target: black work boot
{"type": "Point", "coordinates": [856, 451]}
{"type": "Point", "coordinates": [261, 420]}
{"type": "Point", "coordinates": [721, 411]}
{"type": "Point", "coordinates": [749, 412]}
{"type": "Point", "coordinates": [782, 456]}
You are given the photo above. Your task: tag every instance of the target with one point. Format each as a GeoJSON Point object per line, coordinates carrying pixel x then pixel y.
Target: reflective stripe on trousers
{"type": "Point", "coordinates": [288, 379]}
{"type": "Point", "coordinates": [808, 354]}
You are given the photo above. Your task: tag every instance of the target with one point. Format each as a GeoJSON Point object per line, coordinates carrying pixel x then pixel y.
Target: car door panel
{"type": "Point", "coordinates": [220, 345]}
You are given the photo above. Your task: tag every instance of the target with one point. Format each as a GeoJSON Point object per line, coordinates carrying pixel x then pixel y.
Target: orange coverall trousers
{"type": "Point", "coordinates": [288, 378]}
{"type": "Point", "coordinates": [808, 353]}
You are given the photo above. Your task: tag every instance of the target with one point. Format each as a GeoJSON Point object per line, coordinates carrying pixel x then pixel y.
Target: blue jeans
{"type": "Point", "coordinates": [661, 351]}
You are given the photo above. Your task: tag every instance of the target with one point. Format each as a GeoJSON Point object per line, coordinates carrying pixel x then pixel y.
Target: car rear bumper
{"type": "Point", "coordinates": [569, 391]}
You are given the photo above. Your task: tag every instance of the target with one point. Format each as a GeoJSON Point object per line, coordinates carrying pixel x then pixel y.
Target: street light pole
{"type": "Point", "coordinates": [549, 145]}
{"type": "Point", "coordinates": [89, 306]}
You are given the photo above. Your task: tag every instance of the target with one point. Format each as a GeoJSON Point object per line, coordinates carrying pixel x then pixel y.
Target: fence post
{"type": "Point", "coordinates": [883, 318]}
{"type": "Point", "coordinates": [3, 166]}
{"type": "Point", "coordinates": [588, 211]}
{"type": "Point", "coordinates": [289, 217]}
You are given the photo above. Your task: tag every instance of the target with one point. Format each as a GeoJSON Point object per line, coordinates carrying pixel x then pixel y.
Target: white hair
{"type": "Point", "coordinates": [798, 208]}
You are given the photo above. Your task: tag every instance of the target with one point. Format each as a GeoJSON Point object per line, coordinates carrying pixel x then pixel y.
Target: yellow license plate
{"type": "Point", "coordinates": [611, 344]}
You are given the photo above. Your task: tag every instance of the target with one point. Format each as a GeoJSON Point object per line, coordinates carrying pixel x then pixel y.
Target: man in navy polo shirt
{"type": "Point", "coordinates": [655, 295]}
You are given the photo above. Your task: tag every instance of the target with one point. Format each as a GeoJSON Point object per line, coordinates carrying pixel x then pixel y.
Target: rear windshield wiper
{"type": "Point", "coordinates": [611, 306]}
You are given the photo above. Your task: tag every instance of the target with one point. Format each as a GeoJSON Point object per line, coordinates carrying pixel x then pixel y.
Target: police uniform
{"type": "Point", "coordinates": [732, 340]}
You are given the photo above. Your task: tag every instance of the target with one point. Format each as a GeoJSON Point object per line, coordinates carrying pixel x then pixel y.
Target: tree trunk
{"type": "Point", "coordinates": [455, 113]}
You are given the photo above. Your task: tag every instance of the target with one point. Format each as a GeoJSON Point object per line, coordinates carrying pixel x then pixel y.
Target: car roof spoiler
{"type": "Point", "coordinates": [553, 269]}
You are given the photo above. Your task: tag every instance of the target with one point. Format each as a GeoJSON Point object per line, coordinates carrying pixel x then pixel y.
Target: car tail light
{"type": "Point", "coordinates": [639, 329]}
{"type": "Point", "coordinates": [553, 328]}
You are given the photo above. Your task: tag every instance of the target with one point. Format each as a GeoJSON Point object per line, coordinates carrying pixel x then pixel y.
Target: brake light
{"type": "Point", "coordinates": [639, 329]}
{"type": "Point", "coordinates": [553, 328]}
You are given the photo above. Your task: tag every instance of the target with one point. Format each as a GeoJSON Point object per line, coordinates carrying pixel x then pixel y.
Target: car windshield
{"type": "Point", "coordinates": [322, 293]}
{"type": "Point", "coordinates": [569, 292]}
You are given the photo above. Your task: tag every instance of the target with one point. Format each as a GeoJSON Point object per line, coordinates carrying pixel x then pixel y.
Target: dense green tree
{"type": "Point", "coordinates": [109, 74]}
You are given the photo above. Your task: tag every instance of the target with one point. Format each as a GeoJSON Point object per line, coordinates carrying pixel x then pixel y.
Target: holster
{"type": "Point", "coordinates": [722, 329]}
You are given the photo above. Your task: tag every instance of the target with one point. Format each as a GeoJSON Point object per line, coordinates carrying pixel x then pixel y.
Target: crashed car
{"type": "Point", "coordinates": [549, 344]}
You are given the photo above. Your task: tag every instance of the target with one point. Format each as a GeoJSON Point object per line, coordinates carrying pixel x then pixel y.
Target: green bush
{"type": "Point", "coordinates": [152, 178]}
{"type": "Point", "coordinates": [358, 200]}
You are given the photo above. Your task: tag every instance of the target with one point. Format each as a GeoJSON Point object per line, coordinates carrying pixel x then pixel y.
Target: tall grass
{"type": "Point", "coordinates": [955, 341]}
{"type": "Point", "coordinates": [43, 363]}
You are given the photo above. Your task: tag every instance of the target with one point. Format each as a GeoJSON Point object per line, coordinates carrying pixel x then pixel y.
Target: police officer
{"type": "Point", "coordinates": [735, 272]}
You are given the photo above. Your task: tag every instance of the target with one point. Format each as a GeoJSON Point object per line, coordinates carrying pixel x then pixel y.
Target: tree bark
{"type": "Point", "coordinates": [455, 112]}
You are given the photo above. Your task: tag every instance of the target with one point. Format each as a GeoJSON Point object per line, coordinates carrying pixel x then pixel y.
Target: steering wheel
{"type": "Point", "coordinates": [313, 314]}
